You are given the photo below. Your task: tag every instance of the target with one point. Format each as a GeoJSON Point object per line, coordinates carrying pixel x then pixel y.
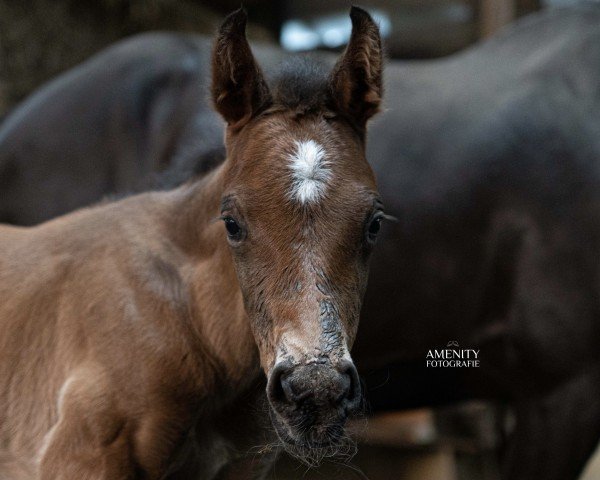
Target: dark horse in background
{"type": "Point", "coordinates": [489, 159]}
{"type": "Point", "coordinates": [109, 126]}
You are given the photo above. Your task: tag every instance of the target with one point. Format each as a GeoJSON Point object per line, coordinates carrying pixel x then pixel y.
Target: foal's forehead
{"type": "Point", "coordinates": [287, 165]}
{"type": "Point", "coordinates": [306, 159]}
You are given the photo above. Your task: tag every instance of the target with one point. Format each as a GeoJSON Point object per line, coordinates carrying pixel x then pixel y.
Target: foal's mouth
{"type": "Point", "coordinates": [313, 444]}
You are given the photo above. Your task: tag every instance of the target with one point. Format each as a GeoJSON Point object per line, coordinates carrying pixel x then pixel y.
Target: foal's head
{"type": "Point", "coordinates": [301, 214]}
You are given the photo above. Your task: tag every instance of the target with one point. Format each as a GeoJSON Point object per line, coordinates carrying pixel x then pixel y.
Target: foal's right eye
{"type": "Point", "coordinates": [232, 227]}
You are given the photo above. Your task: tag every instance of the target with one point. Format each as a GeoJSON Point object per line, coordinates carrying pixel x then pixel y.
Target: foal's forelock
{"type": "Point", "coordinates": [310, 171]}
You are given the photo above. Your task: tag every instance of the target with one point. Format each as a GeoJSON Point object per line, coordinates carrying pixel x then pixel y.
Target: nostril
{"type": "Point", "coordinates": [288, 391]}
{"type": "Point", "coordinates": [281, 386]}
{"type": "Point", "coordinates": [275, 389]}
{"type": "Point", "coordinates": [352, 392]}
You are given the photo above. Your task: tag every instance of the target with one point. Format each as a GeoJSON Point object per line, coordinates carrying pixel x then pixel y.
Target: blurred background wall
{"type": "Point", "coordinates": [40, 38]}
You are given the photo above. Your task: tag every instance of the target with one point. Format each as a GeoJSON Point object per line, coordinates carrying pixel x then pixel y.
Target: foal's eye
{"type": "Point", "coordinates": [232, 227]}
{"type": "Point", "coordinates": [375, 226]}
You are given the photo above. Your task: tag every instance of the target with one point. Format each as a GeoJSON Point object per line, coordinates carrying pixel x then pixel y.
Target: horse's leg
{"type": "Point", "coordinates": [556, 434]}
{"type": "Point", "coordinates": [540, 344]}
{"type": "Point", "coordinates": [90, 439]}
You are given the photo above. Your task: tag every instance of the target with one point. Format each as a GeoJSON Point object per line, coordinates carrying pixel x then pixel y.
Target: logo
{"type": "Point", "coordinates": [452, 357]}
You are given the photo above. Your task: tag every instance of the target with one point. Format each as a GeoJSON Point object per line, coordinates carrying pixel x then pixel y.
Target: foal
{"type": "Point", "coordinates": [131, 331]}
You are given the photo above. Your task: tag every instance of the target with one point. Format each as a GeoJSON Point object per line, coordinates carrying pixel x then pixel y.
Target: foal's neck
{"type": "Point", "coordinates": [218, 313]}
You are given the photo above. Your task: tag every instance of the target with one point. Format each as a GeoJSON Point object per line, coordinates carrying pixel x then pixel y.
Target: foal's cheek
{"type": "Point", "coordinates": [257, 312]}
{"type": "Point", "coordinates": [243, 273]}
{"type": "Point", "coordinates": [266, 349]}
{"type": "Point", "coordinates": [352, 323]}
{"type": "Point", "coordinates": [351, 331]}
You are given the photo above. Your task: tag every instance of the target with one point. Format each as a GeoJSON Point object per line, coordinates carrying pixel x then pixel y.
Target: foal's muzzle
{"type": "Point", "coordinates": [314, 398]}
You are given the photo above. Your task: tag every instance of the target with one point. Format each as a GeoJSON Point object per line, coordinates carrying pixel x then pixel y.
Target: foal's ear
{"type": "Point", "coordinates": [356, 80]}
{"type": "Point", "coordinates": [238, 87]}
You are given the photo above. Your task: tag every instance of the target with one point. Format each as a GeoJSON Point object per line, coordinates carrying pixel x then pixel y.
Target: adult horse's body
{"type": "Point", "coordinates": [132, 332]}
{"type": "Point", "coordinates": [489, 160]}
{"type": "Point", "coordinates": [149, 100]}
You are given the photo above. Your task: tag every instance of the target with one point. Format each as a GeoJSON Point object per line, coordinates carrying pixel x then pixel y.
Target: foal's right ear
{"type": "Point", "coordinates": [238, 87]}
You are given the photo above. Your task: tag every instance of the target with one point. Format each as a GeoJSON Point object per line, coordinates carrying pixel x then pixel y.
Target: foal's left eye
{"type": "Point", "coordinates": [374, 227]}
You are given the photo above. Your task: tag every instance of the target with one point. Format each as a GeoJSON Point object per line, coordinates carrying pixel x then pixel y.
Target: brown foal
{"type": "Point", "coordinates": [133, 334]}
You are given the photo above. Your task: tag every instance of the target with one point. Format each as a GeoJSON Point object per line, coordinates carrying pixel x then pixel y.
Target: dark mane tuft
{"type": "Point", "coordinates": [301, 83]}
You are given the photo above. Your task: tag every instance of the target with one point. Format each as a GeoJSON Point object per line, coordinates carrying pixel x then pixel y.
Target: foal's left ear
{"type": "Point", "coordinates": [238, 86]}
{"type": "Point", "coordinates": [356, 80]}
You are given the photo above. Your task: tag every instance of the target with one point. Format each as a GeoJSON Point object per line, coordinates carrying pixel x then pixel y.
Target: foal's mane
{"type": "Point", "coordinates": [300, 83]}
